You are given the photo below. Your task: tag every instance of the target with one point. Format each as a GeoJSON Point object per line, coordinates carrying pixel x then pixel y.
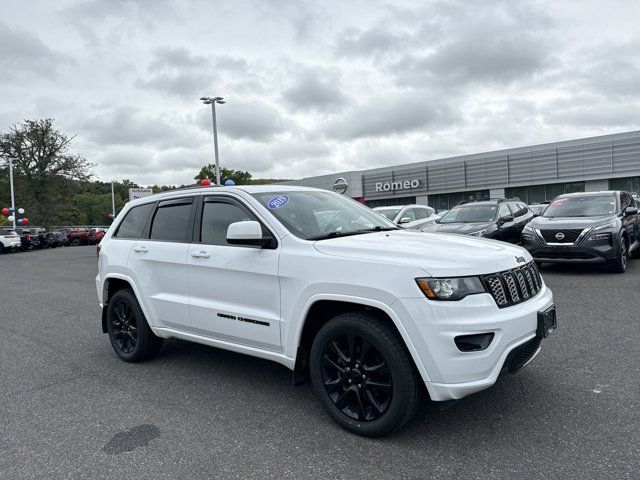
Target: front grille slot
{"type": "Point", "coordinates": [567, 235]}
{"type": "Point", "coordinates": [519, 356]}
{"type": "Point", "coordinates": [513, 286]}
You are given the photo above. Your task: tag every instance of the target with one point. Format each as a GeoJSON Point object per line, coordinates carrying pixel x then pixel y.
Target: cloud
{"type": "Point", "coordinates": [130, 126]}
{"type": "Point", "coordinates": [23, 54]}
{"type": "Point", "coordinates": [180, 72]}
{"type": "Point", "coordinates": [316, 89]}
{"type": "Point", "coordinates": [498, 43]}
{"type": "Point", "coordinates": [394, 113]}
{"type": "Point", "coordinates": [246, 119]}
{"type": "Point", "coordinates": [376, 40]}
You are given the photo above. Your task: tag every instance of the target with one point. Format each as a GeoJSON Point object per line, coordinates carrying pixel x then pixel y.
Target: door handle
{"type": "Point", "coordinates": [200, 254]}
{"type": "Point", "coordinates": [141, 249]}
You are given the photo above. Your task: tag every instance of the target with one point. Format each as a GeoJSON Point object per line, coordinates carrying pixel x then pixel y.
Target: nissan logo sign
{"type": "Point", "coordinates": [559, 236]}
{"type": "Point", "coordinates": [340, 185]}
{"type": "Point", "coordinates": [399, 185]}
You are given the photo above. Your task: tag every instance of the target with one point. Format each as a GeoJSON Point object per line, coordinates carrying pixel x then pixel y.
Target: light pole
{"type": "Point", "coordinates": [13, 201]}
{"type": "Point", "coordinates": [113, 203]}
{"type": "Point", "coordinates": [212, 101]}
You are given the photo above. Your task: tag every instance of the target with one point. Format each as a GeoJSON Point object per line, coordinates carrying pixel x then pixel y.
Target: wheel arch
{"type": "Point", "coordinates": [111, 285]}
{"type": "Point", "coordinates": [322, 308]}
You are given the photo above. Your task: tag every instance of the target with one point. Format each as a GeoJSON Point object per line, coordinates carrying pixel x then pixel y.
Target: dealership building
{"type": "Point", "coordinates": [534, 174]}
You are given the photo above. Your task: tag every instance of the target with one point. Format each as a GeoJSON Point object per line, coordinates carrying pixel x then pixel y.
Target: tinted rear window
{"type": "Point", "coordinates": [171, 223]}
{"type": "Point", "coordinates": [134, 222]}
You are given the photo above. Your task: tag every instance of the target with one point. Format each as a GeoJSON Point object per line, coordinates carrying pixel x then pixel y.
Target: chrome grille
{"type": "Point", "coordinates": [513, 286]}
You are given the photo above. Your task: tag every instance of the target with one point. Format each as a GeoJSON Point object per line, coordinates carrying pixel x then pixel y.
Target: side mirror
{"type": "Point", "coordinates": [537, 213]}
{"type": "Point", "coordinates": [246, 233]}
{"type": "Point", "coordinates": [404, 220]}
{"type": "Point", "coordinates": [631, 211]}
{"type": "Point", "coordinates": [505, 219]}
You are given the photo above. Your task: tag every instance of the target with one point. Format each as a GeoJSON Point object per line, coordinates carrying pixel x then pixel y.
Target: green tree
{"type": "Point", "coordinates": [239, 177]}
{"type": "Point", "coordinates": [45, 169]}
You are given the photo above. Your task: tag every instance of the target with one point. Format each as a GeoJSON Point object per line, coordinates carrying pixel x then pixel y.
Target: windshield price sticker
{"type": "Point", "coordinates": [559, 201]}
{"type": "Point", "coordinates": [278, 201]}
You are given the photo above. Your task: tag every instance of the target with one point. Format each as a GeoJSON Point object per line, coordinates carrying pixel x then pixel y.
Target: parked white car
{"type": "Point", "coordinates": [9, 240]}
{"type": "Point", "coordinates": [409, 216]}
{"type": "Point", "coordinates": [321, 284]}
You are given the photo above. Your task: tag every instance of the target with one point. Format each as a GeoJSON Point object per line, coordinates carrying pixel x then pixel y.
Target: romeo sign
{"type": "Point", "coordinates": [398, 185]}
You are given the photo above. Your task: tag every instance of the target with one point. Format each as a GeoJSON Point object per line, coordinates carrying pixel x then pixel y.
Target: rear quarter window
{"type": "Point", "coordinates": [133, 223]}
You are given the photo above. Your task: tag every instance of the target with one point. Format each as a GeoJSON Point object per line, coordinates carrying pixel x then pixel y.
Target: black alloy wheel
{"type": "Point", "coordinates": [356, 377]}
{"type": "Point", "coordinates": [363, 374]}
{"type": "Point", "coordinates": [129, 332]}
{"type": "Point", "coordinates": [124, 327]}
{"type": "Point", "coordinates": [619, 265]}
{"type": "Point", "coordinates": [75, 241]}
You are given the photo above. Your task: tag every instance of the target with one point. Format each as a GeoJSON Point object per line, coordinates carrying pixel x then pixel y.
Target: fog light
{"type": "Point", "coordinates": [474, 343]}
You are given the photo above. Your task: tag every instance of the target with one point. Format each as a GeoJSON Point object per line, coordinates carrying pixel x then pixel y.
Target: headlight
{"type": "Point", "coordinates": [528, 228]}
{"type": "Point", "coordinates": [450, 288]}
{"type": "Point", "coordinates": [479, 233]}
{"type": "Point", "coordinates": [605, 226]}
{"type": "Point", "coordinates": [599, 237]}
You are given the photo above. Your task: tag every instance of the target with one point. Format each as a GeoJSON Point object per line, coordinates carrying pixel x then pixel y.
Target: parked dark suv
{"type": "Point", "coordinates": [500, 219]}
{"type": "Point", "coordinates": [594, 227]}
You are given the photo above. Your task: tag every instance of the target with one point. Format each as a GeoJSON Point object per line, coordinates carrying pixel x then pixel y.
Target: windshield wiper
{"type": "Point", "coordinates": [377, 228]}
{"type": "Point", "coordinates": [326, 236]}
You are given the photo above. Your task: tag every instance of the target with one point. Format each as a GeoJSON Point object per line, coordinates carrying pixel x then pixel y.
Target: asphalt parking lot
{"type": "Point", "coordinates": [71, 409]}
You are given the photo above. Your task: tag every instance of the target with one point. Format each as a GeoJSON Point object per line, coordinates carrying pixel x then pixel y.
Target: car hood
{"type": "Point", "coordinates": [461, 228]}
{"type": "Point", "coordinates": [437, 254]}
{"type": "Point", "coordinates": [558, 223]}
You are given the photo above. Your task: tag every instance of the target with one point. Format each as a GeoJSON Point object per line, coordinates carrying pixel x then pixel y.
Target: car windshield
{"type": "Point", "coordinates": [582, 206]}
{"type": "Point", "coordinates": [470, 214]}
{"type": "Point", "coordinates": [315, 215]}
{"type": "Point", "coordinates": [390, 213]}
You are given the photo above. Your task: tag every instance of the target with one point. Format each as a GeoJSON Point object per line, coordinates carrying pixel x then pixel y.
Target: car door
{"type": "Point", "coordinates": [630, 221]}
{"type": "Point", "coordinates": [158, 263]}
{"type": "Point", "coordinates": [234, 289]}
{"type": "Point", "coordinates": [507, 231]}
{"type": "Point", "coordinates": [406, 217]}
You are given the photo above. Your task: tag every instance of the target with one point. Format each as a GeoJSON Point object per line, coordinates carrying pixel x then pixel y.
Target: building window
{"type": "Point", "coordinates": [390, 202]}
{"type": "Point", "coordinates": [542, 193]}
{"type": "Point", "coordinates": [629, 184]}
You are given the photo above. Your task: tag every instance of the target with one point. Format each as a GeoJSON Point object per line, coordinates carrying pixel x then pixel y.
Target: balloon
{"type": "Point", "coordinates": [25, 220]}
{"type": "Point", "coordinates": [11, 218]}
{"type": "Point", "coordinates": [11, 209]}
{"type": "Point", "coordinates": [20, 221]}
{"type": "Point", "coordinates": [205, 182]}
{"type": "Point", "coordinates": [5, 211]}
{"type": "Point", "coordinates": [21, 211]}
{"type": "Point", "coordinates": [110, 216]}
{"type": "Point", "coordinates": [229, 183]}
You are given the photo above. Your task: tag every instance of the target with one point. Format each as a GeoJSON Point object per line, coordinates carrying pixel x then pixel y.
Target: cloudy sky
{"type": "Point", "coordinates": [315, 87]}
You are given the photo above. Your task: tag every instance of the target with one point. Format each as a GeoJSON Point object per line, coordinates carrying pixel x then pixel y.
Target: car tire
{"type": "Point", "coordinates": [619, 265]}
{"type": "Point", "coordinates": [75, 242]}
{"type": "Point", "coordinates": [352, 347]}
{"type": "Point", "coordinates": [129, 332]}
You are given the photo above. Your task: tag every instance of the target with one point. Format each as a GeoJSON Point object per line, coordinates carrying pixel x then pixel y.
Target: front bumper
{"type": "Point", "coordinates": [453, 374]}
{"type": "Point", "coordinates": [585, 251]}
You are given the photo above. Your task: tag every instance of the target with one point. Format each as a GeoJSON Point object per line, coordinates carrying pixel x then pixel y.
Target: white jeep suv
{"type": "Point", "coordinates": [323, 285]}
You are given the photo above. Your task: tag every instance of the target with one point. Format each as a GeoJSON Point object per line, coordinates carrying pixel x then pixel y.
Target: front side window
{"type": "Point", "coordinates": [408, 213]}
{"type": "Point", "coordinates": [582, 206]}
{"type": "Point", "coordinates": [216, 218]}
{"type": "Point", "coordinates": [134, 222]}
{"type": "Point", "coordinates": [625, 201]}
{"type": "Point", "coordinates": [171, 222]}
{"type": "Point", "coordinates": [504, 210]}
{"type": "Point", "coordinates": [313, 215]}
